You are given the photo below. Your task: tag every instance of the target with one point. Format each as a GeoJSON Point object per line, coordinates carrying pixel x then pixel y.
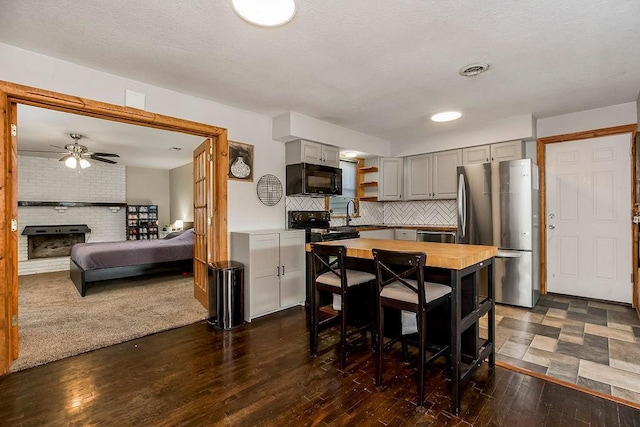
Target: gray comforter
{"type": "Point", "coordinates": [92, 256]}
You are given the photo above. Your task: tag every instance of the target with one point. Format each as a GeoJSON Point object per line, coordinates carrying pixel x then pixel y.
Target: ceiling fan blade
{"type": "Point", "coordinates": [103, 160]}
{"type": "Point", "coordinates": [57, 146]}
{"type": "Point", "coordinates": [106, 154]}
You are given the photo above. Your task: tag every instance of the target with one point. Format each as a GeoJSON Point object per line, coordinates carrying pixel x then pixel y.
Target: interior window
{"type": "Point", "coordinates": [338, 204]}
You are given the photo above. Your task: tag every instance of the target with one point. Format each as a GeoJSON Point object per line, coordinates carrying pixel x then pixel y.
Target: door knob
{"type": "Point", "coordinates": [551, 226]}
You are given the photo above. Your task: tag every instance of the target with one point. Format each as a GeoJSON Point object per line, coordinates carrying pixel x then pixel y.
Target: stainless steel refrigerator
{"type": "Point", "coordinates": [498, 206]}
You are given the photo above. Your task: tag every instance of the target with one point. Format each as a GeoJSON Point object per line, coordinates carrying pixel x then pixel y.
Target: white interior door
{"type": "Point", "coordinates": [588, 185]}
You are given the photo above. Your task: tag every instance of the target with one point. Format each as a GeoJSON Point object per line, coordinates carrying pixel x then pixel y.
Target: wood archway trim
{"type": "Point", "coordinates": [12, 94]}
{"type": "Point", "coordinates": [541, 159]}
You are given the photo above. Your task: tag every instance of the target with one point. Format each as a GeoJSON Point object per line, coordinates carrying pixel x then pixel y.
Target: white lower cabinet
{"type": "Point", "coordinates": [274, 269]}
{"type": "Point", "coordinates": [406, 234]}
{"type": "Point", "coordinates": [384, 233]}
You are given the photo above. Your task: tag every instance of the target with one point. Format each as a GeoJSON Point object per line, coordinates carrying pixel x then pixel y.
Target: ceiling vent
{"type": "Point", "coordinates": [474, 69]}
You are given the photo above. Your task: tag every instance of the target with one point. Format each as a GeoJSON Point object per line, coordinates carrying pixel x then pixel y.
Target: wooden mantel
{"type": "Point", "coordinates": [71, 204]}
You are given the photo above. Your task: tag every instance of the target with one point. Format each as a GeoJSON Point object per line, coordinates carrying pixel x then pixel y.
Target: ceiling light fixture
{"type": "Point", "coordinates": [265, 13]}
{"type": "Point", "coordinates": [446, 116]}
{"type": "Point", "coordinates": [350, 154]}
{"type": "Point", "coordinates": [474, 69]}
{"type": "Point", "coordinates": [84, 163]}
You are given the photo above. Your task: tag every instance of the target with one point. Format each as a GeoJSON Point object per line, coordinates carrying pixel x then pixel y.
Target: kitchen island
{"type": "Point", "coordinates": [460, 266]}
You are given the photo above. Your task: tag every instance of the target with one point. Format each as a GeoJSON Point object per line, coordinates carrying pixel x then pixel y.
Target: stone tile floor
{"type": "Point", "coordinates": [592, 344]}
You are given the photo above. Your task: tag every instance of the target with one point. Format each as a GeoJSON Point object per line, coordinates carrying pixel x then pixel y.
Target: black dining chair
{"type": "Point", "coordinates": [401, 286]}
{"type": "Point", "coordinates": [331, 275]}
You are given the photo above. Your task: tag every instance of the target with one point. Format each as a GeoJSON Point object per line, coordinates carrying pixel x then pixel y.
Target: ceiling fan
{"type": "Point", "coordinates": [78, 154]}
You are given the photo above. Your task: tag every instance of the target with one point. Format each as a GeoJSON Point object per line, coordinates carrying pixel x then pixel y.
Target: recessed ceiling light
{"type": "Point", "coordinates": [350, 154]}
{"type": "Point", "coordinates": [265, 13]}
{"type": "Point", "coordinates": [474, 69]}
{"type": "Point", "coordinates": [446, 116]}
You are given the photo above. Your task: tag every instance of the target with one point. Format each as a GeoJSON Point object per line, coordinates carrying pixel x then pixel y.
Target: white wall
{"type": "Point", "coordinates": [181, 193]}
{"type": "Point", "coordinates": [47, 180]}
{"type": "Point", "coordinates": [149, 187]}
{"type": "Point", "coordinates": [519, 127]}
{"type": "Point", "coordinates": [291, 126]}
{"type": "Point", "coordinates": [615, 115]}
{"type": "Point", "coordinates": [244, 209]}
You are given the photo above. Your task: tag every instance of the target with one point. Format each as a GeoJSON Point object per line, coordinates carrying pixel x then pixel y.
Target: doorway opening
{"type": "Point", "coordinates": [212, 236]}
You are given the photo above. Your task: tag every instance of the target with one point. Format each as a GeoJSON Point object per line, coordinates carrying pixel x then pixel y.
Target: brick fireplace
{"type": "Point", "coordinates": [54, 195]}
{"type": "Point", "coordinates": [51, 241]}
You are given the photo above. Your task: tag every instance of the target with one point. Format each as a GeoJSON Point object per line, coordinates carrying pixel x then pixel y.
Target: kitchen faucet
{"type": "Point", "coordinates": [348, 218]}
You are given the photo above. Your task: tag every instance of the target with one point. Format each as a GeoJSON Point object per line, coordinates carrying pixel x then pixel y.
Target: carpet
{"type": "Point", "coordinates": [56, 322]}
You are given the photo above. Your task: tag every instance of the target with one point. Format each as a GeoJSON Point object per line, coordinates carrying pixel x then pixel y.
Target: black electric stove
{"type": "Point", "coordinates": [317, 226]}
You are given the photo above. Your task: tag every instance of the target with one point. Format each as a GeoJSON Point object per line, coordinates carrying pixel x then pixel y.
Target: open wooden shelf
{"type": "Point", "coordinates": [369, 184]}
{"type": "Point", "coordinates": [368, 199]}
{"type": "Point", "coordinates": [368, 169]}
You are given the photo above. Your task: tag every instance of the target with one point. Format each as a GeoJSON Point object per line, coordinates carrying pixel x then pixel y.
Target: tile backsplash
{"type": "Point", "coordinates": [423, 212]}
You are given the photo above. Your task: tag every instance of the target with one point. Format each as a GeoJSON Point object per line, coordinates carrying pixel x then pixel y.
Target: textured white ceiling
{"type": "Point", "coordinates": [376, 66]}
{"type": "Point", "coordinates": [137, 146]}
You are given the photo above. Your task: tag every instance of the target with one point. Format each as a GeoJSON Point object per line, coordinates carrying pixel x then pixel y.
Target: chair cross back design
{"type": "Point", "coordinates": [419, 261]}
{"type": "Point", "coordinates": [322, 264]}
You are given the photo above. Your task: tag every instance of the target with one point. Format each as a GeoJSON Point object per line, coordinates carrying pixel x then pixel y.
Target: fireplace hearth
{"type": "Point", "coordinates": [51, 241]}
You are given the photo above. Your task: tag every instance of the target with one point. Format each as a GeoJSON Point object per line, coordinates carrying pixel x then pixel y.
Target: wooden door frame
{"type": "Point", "coordinates": [12, 94]}
{"type": "Point", "coordinates": [541, 154]}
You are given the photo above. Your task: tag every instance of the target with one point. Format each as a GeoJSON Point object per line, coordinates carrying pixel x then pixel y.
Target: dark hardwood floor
{"type": "Point", "coordinates": [262, 374]}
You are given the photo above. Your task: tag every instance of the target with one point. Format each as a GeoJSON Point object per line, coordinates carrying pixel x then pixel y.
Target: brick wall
{"type": "Point", "coordinates": [41, 179]}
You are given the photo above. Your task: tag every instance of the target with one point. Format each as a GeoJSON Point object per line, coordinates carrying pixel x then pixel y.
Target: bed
{"type": "Point", "coordinates": [92, 262]}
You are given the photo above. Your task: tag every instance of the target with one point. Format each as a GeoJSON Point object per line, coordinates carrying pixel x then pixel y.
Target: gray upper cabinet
{"type": "Point", "coordinates": [445, 164]}
{"type": "Point", "coordinates": [501, 151]}
{"type": "Point", "coordinates": [475, 155]}
{"type": "Point", "coordinates": [432, 176]}
{"type": "Point", "coordinates": [390, 178]}
{"type": "Point", "coordinates": [419, 174]}
{"type": "Point", "coordinates": [302, 151]}
{"type": "Point", "coordinates": [510, 150]}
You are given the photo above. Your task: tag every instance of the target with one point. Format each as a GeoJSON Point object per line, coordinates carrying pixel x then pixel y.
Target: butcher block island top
{"type": "Point", "coordinates": [443, 255]}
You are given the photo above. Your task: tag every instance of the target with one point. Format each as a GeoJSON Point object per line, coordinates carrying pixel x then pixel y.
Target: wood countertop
{"type": "Point", "coordinates": [443, 255]}
{"type": "Point", "coordinates": [406, 227]}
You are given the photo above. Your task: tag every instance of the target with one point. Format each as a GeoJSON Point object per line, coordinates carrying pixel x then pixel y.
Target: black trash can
{"type": "Point", "coordinates": [226, 294]}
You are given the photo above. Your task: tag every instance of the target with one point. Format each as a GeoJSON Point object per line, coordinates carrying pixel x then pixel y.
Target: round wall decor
{"type": "Point", "coordinates": [269, 189]}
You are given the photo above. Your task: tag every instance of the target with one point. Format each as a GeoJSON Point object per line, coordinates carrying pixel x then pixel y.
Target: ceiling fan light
{"type": "Point", "coordinates": [84, 163]}
{"type": "Point", "coordinates": [265, 13]}
{"type": "Point", "coordinates": [71, 162]}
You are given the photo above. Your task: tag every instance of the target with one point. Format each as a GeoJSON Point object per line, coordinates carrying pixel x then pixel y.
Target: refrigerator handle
{"type": "Point", "coordinates": [462, 204]}
{"type": "Point", "coordinates": [508, 254]}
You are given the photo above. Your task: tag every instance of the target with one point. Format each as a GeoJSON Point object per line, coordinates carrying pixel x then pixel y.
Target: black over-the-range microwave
{"type": "Point", "coordinates": [313, 180]}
